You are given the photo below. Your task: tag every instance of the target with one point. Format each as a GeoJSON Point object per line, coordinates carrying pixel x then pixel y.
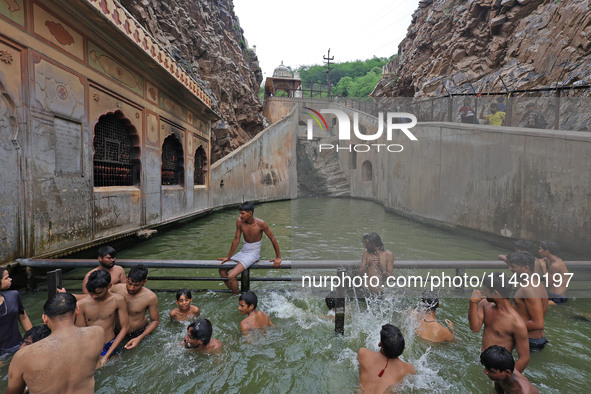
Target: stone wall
{"type": "Point", "coordinates": [263, 169]}
{"type": "Point", "coordinates": [521, 183]}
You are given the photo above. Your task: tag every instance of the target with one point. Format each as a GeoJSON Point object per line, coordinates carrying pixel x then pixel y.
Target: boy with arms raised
{"type": "Point", "coordinates": [100, 309]}
{"type": "Point", "coordinates": [502, 324]}
{"type": "Point", "coordinates": [247, 304]}
{"type": "Point", "coordinates": [253, 229]}
{"type": "Point", "coordinates": [378, 371]}
{"type": "Point", "coordinates": [499, 366]}
{"type": "Point", "coordinates": [139, 301]}
{"type": "Point", "coordinates": [65, 361]}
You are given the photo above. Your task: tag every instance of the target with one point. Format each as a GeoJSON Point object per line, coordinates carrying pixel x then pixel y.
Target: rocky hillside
{"type": "Point", "coordinates": [205, 36]}
{"type": "Point", "coordinates": [527, 43]}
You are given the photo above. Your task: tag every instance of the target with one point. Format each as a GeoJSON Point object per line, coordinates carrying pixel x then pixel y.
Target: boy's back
{"type": "Point", "coordinates": [255, 320]}
{"type": "Point", "coordinates": [370, 366]}
{"type": "Point", "coordinates": [62, 363]}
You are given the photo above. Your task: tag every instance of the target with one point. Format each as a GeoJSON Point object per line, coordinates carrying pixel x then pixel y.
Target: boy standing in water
{"type": "Point", "coordinates": [106, 258]}
{"type": "Point", "coordinates": [253, 229]}
{"type": "Point", "coordinates": [556, 272]}
{"type": "Point", "coordinates": [502, 324]}
{"type": "Point", "coordinates": [100, 309]}
{"type": "Point", "coordinates": [380, 370]}
{"type": "Point", "coordinates": [247, 304]}
{"type": "Point", "coordinates": [376, 261]}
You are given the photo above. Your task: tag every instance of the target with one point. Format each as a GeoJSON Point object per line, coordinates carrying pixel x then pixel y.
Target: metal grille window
{"type": "Point", "coordinates": [172, 161]}
{"type": "Point", "coordinates": [200, 166]}
{"type": "Point", "coordinates": [114, 163]}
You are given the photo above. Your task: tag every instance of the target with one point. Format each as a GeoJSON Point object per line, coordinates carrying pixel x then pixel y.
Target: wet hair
{"type": "Point", "coordinates": [249, 298]}
{"type": "Point", "coordinates": [525, 246]}
{"type": "Point", "coordinates": [522, 259]}
{"type": "Point", "coordinates": [107, 250]}
{"type": "Point", "coordinates": [246, 206]}
{"type": "Point", "coordinates": [183, 292]}
{"type": "Point", "coordinates": [59, 304]}
{"type": "Point", "coordinates": [331, 302]}
{"type": "Point", "coordinates": [392, 341]}
{"type": "Point", "coordinates": [497, 357]}
{"type": "Point", "coordinates": [37, 333]}
{"type": "Point", "coordinates": [139, 273]}
{"type": "Point", "coordinates": [374, 239]}
{"type": "Point", "coordinates": [550, 246]}
{"type": "Point", "coordinates": [494, 105]}
{"type": "Point", "coordinates": [430, 300]}
{"type": "Point", "coordinates": [202, 330]}
{"type": "Point", "coordinates": [98, 279]}
{"type": "Point", "coordinates": [498, 282]}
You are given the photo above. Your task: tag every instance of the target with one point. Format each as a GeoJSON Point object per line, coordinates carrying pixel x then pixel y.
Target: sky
{"type": "Point", "coordinates": [301, 33]}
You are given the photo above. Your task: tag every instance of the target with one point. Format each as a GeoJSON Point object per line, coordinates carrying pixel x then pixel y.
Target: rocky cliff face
{"type": "Point", "coordinates": [205, 37]}
{"type": "Point", "coordinates": [526, 43]}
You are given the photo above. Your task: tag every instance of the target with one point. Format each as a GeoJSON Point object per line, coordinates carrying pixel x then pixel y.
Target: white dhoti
{"type": "Point", "coordinates": [249, 254]}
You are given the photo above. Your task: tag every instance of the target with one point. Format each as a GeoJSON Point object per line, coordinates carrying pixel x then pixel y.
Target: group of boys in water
{"type": "Point", "coordinates": [90, 327]}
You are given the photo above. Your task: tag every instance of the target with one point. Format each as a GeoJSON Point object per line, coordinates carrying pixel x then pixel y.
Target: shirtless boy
{"type": "Point", "coordinates": [523, 245]}
{"type": "Point", "coordinates": [247, 304]}
{"type": "Point", "coordinates": [531, 302]}
{"type": "Point", "coordinates": [380, 370]}
{"type": "Point", "coordinates": [185, 310]}
{"type": "Point", "coordinates": [100, 309]}
{"type": "Point", "coordinates": [106, 258]}
{"type": "Point", "coordinates": [139, 301]}
{"type": "Point", "coordinates": [199, 337]}
{"type": "Point", "coordinates": [429, 328]}
{"type": "Point", "coordinates": [376, 261]}
{"type": "Point", "coordinates": [65, 361]}
{"type": "Point", "coordinates": [499, 366]}
{"type": "Point", "coordinates": [556, 288]}
{"type": "Point", "coordinates": [502, 324]}
{"type": "Point", "coordinates": [253, 229]}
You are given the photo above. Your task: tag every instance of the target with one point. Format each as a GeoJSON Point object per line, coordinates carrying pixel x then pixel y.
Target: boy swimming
{"type": "Point", "coordinates": [247, 304]}
{"type": "Point", "coordinates": [185, 310]}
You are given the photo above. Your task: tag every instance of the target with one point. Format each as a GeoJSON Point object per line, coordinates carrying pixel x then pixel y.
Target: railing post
{"type": "Point", "coordinates": [245, 281]}
{"type": "Point", "coordinates": [339, 315]}
{"type": "Point", "coordinates": [54, 281]}
{"type": "Point", "coordinates": [31, 284]}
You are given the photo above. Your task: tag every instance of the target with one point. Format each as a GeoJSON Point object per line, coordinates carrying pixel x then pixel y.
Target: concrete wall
{"type": "Point", "coordinates": [263, 169]}
{"type": "Point", "coordinates": [515, 182]}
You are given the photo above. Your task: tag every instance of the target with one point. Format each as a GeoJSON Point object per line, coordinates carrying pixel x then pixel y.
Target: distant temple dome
{"type": "Point", "coordinates": [282, 72]}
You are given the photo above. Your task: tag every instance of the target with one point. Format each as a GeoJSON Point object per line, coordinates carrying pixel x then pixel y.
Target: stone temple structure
{"type": "Point", "coordinates": [102, 132]}
{"type": "Point", "coordinates": [282, 80]}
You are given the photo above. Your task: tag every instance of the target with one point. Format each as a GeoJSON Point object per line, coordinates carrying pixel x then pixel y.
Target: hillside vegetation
{"type": "Point", "coordinates": [348, 79]}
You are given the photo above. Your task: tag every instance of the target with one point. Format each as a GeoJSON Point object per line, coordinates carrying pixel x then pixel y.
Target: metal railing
{"type": "Point", "coordinates": [54, 278]}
